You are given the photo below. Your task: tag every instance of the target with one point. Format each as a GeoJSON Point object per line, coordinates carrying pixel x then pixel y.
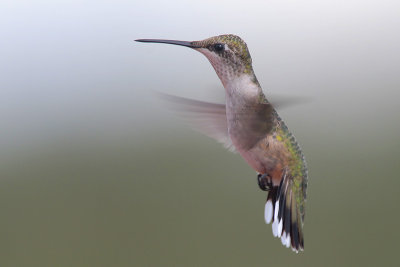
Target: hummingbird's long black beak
{"type": "Point", "coordinates": [162, 41]}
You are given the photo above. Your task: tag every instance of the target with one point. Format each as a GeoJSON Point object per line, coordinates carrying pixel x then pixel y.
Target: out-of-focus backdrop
{"type": "Point", "coordinates": [95, 172]}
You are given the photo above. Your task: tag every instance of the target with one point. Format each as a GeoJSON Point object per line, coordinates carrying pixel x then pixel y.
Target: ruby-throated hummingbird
{"type": "Point", "coordinates": [249, 124]}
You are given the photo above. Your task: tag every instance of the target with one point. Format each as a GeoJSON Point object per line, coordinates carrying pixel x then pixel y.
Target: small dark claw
{"type": "Point", "coordinates": [264, 182]}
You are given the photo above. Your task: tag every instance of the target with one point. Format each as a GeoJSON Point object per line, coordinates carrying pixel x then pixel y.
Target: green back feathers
{"type": "Point", "coordinates": [297, 167]}
{"type": "Point", "coordinates": [287, 201]}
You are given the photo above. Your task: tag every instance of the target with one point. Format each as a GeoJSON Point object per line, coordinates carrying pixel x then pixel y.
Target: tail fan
{"type": "Point", "coordinates": [283, 209]}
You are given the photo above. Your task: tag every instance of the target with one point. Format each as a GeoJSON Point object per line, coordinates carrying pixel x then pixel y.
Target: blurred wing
{"type": "Point", "coordinates": [254, 124]}
{"type": "Point", "coordinates": [280, 101]}
{"type": "Point", "coordinates": [207, 118]}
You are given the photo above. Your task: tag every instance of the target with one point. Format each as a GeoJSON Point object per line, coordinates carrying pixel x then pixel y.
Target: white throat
{"type": "Point", "coordinates": [242, 86]}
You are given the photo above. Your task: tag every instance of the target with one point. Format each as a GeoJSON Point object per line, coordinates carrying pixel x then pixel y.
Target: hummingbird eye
{"type": "Point", "coordinates": [218, 47]}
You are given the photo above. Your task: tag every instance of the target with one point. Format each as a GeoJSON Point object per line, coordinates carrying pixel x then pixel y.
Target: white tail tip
{"type": "Point", "coordinates": [280, 225]}
{"type": "Point", "coordinates": [276, 211]}
{"type": "Point", "coordinates": [268, 213]}
{"type": "Point", "coordinates": [275, 228]}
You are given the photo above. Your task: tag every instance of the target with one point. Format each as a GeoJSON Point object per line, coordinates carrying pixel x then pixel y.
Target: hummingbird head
{"type": "Point", "coordinates": [227, 53]}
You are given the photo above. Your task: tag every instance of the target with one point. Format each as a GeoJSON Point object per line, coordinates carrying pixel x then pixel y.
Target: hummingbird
{"type": "Point", "coordinates": [248, 124]}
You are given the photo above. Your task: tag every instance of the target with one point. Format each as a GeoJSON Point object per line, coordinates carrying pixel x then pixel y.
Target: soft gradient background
{"type": "Point", "coordinates": [95, 172]}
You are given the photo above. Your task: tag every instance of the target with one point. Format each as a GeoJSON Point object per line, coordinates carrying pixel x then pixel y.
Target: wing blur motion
{"type": "Point", "coordinates": [207, 118]}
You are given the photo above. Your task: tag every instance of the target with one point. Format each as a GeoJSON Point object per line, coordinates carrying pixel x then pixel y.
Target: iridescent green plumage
{"type": "Point", "coordinates": [296, 164]}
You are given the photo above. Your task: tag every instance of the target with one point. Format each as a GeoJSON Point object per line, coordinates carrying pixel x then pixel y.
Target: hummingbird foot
{"type": "Point", "coordinates": [264, 182]}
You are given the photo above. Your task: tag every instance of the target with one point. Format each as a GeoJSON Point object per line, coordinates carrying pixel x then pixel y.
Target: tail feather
{"type": "Point", "coordinates": [283, 210]}
{"type": "Point", "coordinates": [294, 228]}
{"type": "Point", "coordinates": [269, 206]}
{"type": "Point", "coordinates": [287, 218]}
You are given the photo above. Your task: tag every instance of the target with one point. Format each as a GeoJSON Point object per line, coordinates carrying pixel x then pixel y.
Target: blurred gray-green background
{"type": "Point", "coordinates": [95, 172]}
